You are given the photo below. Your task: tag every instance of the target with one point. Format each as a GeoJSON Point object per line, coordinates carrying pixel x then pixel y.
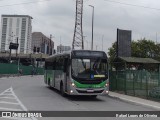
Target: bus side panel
{"type": "Point", "coordinates": [56, 78]}
{"type": "Point", "coordinates": [45, 77]}
{"type": "Point", "coordinates": [49, 77]}
{"type": "Point", "coordinates": [59, 76]}
{"type": "Point", "coordinates": [68, 81]}
{"type": "Point", "coordinates": [63, 79]}
{"type": "Point", "coordinates": [53, 79]}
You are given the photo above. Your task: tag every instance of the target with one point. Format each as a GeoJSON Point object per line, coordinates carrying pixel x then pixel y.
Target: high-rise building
{"type": "Point", "coordinates": [42, 44]}
{"type": "Point", "coordinates": [15, 27]}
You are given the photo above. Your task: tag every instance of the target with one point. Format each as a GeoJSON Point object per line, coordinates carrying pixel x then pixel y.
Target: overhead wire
{"type": "Point", "coordinates": [23, 3]}
{"type": "Point", "coordinates": [134, 5]}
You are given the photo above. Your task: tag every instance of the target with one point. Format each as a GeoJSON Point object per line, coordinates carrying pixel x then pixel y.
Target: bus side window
{"type": "Point", "coordinates": [54, 65]}
{"type": "Point", "coordinates": [59, 64]}
{"type": "Point", "coordinates": [48, 66]}
{"type": "Point", "coordinates": [62, 64]}
{"type": "Point", "coordinates": [65, 64]}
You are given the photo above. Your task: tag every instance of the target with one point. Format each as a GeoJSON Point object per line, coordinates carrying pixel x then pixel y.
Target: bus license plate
{"type": "Point", "coordinates": [90, 90]}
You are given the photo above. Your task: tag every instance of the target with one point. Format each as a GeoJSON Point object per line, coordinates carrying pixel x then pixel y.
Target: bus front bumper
{"type": "Point", "coordinates": [88, 91]}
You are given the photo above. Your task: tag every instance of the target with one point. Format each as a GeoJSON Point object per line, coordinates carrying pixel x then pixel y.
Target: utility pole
{"type": "Point", "coordinates": [102, 41]}
{"type": "Point", "coordinates": [78, 32]}
{"type": "Point", "coordinates": [92, 24]}
{"type": "Point", "coordinates": [10, 50]}
{"type": "Point", "coordinates": [50, 46]}
{"type": "Point", "coordinates": [17, 49]}
{"type": "Point", "coordinates": [156, 38]}
{"type": "Point", "coordinates": [60, 47]}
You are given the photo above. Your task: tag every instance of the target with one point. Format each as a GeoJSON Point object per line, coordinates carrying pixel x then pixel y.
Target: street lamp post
{"type": "Point", "coordinates": [102, 41]}
{"type": "Point", "coordinates": [17, 49]}
{"type": "Point", "coordinates": [92, 24]}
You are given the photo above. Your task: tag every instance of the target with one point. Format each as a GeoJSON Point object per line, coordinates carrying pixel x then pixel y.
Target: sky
{"type": "Point", "coordinates": [57, 17]}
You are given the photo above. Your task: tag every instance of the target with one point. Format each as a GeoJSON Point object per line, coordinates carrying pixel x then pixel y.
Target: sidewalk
{"type": "Point", "coordinates": [137, 100]}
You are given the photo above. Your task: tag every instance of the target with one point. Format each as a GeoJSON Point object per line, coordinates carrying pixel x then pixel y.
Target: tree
{"type": "Point", "coordinates": [141, 48]}
{"type": "Point", "coordinates": [112, 52]}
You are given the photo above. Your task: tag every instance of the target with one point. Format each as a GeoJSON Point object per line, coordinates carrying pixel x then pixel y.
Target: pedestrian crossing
{"type": "Point", "coordinates": [10, 102]}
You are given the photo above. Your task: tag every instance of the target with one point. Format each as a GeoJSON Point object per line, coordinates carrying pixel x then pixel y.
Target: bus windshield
{"type": "Point", "coordinates": [89, 68]}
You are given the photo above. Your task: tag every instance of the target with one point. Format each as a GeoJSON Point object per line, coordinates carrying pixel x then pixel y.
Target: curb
{"type": "Point", "coordinates": [137, 102]}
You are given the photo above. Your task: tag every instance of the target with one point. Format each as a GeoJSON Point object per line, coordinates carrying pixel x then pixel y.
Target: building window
{"type": "Point", "coordinates": [4, 31]}
{"type": "Point", "coordinates": [23, 33]}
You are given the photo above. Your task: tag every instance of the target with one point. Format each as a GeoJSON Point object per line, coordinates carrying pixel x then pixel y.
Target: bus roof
{"type": "Point", "coordinates": [57, 55]}
{"type": "Point", "coordinates": [88, 54]}
{"type": "Point", "coordinates": [68, 53]}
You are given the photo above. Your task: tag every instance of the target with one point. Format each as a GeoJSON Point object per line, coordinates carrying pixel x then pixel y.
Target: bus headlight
{"type": "Point", "coordinates": [73, 85]}
{"type": "Point", "coordinates": [71, 91]}
{"type": "Point", "coordinates": [107, 91]}
{"type": "Point", "coordinates": [107, 84]}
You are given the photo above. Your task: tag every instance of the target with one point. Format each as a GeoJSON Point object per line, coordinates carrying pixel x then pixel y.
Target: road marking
{"type": "Point", "coordinates": [7, 93]}
{"type": "Point", "coordinates": [10, 92]}
{"type": "Point", "coordinates": [23, 107]}
{"type": "Point", "coordinates": [12, 109]}
{"type": "Point", "coordinates": [7, 98]}
{"type": "Point", "coordinates": [4, 102]}
{"type": "Point", "coordinates": [13, 118]}
{"type": "Point", "coordinates": [20, 103]}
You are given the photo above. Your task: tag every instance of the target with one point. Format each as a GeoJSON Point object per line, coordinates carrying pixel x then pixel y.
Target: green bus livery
{"type": "Point", "coordinates": [79, 72]}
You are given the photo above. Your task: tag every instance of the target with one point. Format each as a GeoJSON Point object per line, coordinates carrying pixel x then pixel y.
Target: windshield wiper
{"type": "Point", "coordinates": [84, 65]}
{"type": "Point", "coordinates": [96, 63]}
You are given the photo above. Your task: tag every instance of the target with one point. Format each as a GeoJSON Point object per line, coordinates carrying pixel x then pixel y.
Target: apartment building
{"type": "Point", "coordinates": [15, 27]}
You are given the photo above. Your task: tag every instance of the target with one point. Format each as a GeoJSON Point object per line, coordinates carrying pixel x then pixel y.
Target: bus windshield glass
{"type": "Point", "coordinates": [89, 68]}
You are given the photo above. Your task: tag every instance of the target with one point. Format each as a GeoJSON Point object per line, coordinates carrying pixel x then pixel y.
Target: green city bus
{"type": "Point", "coordinates": [79, 72]}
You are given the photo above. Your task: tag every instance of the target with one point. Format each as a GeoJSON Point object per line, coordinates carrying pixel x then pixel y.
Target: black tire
{"type": "Point", "coordinates": [49, 83]}
{"type": "Point", "coordinates": [62, 90]}
{"type": "Point", "coordinates": [93, 96]}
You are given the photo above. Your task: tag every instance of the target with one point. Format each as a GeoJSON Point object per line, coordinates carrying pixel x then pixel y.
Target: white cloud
{"type": "Point", "coordinates": [57, 17]}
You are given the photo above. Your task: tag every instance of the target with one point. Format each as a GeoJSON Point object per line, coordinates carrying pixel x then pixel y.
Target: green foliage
{"type": "Point", "coordinates": [112, 52]}
{"type": "Point", "coordinates": [141, 48]}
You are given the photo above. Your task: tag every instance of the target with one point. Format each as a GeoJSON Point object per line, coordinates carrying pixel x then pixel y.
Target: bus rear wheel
{"type": "Point", "coordinates": [49, 83]}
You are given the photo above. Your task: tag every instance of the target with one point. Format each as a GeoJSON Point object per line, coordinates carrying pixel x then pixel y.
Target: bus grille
{"type": "Point", "coordinates": [90, 81]}
{"type": "Point", "coordinates": [97, 91]}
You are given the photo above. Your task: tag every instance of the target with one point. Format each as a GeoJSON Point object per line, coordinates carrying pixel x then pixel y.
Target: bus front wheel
{"type": "Point", "coordinates": [62, 90]}
{"type": "Point", "coordinates": [93, 96]}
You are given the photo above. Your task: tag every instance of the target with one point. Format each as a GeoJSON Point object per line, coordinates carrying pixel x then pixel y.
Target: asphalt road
{"type": "Point", "coordinates": [31, 93]}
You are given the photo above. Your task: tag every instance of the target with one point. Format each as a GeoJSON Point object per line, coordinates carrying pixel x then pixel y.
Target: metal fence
{"type": "Point", "coordinates": [136, 82]}
{"type": "Point", "coordinates": [6, 68]}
